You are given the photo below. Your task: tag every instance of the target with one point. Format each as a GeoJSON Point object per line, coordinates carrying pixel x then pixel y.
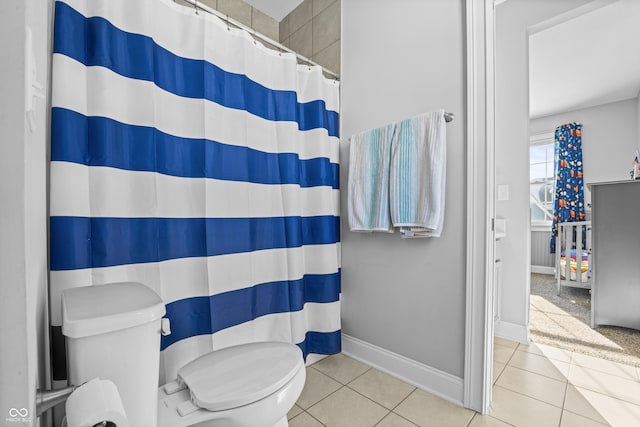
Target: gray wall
{"type": "Point", "coordinates": [407, 296]}
{"type": "Point", "coordinates": [512, 20]}
{"type": "Point", "coordinates": [23, 212]}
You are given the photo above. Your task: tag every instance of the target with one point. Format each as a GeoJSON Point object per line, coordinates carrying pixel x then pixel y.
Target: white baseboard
{"type": "Point", "coordinates": [542, 269]}
{"type": "Point", "coordinates": [434, 381]}
{"type": "Point", "coordinates": [511, 331]}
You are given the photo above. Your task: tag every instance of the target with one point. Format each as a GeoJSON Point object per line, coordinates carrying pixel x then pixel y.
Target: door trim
{"type": "Point", "coordinates": [478, 360]}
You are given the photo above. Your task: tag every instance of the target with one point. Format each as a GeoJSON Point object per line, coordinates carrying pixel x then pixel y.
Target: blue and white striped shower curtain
{"type": "Point", "coordinates": [188, 157]}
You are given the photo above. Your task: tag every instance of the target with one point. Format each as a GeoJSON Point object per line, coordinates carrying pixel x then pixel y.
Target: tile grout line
{"type": "Point", "coordinates": [389, 411]}
{"type": "Point", "coordinates": [378, 403]}
{"type": "Point", "coordinates": [564, 398]}
{"type": "Point", "coordinates": [518, 348]}
{"type": "Point", "coordinates": [355, 391]}
{"type": "Point", "coordinates": [584, 416]}
{"type": "Point", "coordinates": [366, 397]}
{"type": "Point", "coordinates": [402, 401]}
{"type": "Point", "coordinates": [600, 371]}
{"type": "Point", "coordinates": [370, 368]}
{"type": "Point", "coordinates": [505, 364]}
{"type": "Point", "coordinates": [538, 373]}
{"type": "Point", "coordinates": [385, 416]}
{"type": "Point", "coordinates": [600, 392]}
{"type": "Point", "coordinates": [607, 395]}
{"type": "Point", "coordinates": [314, 404]}
{"type": "Point", "coordinates": [323, 424]}
{"type": "Point", "coordinates": [330, 394]}
{"type": "Point", "coordinates": [397, 415]}
{"type": "Point", "coordinates": [568, 383]}
{"type": "Point", "coordinates": [478, 414]}
{"type": "Point", "coordinates": [566, 380]}
{"type": "Point", "coordinates": [530, 397]}
{"type": "Point", "coordinates": [382, 406]}
{"type": "Point", "coordinates": [499, 375]}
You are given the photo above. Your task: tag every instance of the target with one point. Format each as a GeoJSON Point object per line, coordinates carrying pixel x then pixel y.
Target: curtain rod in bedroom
{"type": "Point", "coordinates": [197, 5]}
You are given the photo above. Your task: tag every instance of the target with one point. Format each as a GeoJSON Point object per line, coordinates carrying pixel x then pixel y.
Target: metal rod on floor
{"type": "Point", "coordinates": [260, 36]}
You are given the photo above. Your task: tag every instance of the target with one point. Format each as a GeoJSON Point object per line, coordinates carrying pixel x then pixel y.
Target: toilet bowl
{"type": "Point", "coordinates": [113, 332]}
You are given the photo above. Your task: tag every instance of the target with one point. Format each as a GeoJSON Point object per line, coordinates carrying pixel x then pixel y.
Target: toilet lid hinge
{"type": "Point", "coordinates": [174, 387]}
{"type": "Point", "coordinates": [186, 407]}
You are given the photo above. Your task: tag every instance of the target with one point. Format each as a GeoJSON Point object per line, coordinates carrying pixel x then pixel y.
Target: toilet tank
{"type": "Point", "coordinates": [113, 332]}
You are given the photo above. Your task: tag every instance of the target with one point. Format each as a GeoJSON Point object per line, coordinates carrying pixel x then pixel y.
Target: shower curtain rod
{"type": "Point", "coordinates": [197, 5]}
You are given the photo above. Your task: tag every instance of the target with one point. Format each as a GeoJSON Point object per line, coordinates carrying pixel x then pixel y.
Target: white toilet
{"type": "Point", "coordinates": [113, 332]}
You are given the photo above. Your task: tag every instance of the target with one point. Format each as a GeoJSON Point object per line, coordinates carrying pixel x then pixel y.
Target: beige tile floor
{"type": "Point", "coordinates": [534, 385]}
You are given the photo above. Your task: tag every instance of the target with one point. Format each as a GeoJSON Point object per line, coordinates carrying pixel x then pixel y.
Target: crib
{"type": "Point", "coordinates": [573, 261]}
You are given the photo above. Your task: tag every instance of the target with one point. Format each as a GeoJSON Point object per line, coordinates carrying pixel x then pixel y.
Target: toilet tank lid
{"type": "Point", "coordinates": [98, 309]}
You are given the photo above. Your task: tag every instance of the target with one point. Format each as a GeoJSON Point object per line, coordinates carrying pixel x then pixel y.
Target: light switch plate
{"type": "Point", "coordinates": [503, 192]}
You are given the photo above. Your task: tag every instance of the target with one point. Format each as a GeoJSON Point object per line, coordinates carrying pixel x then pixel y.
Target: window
{"type": "Point", "coordinates": [541, 178]}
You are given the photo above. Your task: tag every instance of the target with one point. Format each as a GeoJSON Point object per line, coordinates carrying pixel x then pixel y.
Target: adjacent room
{"type": "Point", "coordinates": [584, 103]}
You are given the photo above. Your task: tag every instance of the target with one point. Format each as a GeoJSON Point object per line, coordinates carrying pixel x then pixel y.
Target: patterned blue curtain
{"type": "Point", "coordinates": [568, 203]}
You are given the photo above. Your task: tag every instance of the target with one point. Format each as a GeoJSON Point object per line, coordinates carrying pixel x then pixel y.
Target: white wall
{"type": "Point", "coordinates": [512, 20]}
{"type": "Point", "coordinates": [23, 219]}
{"type": "Point", "coordinates": [407, 296]}
{"type": "Point", "coordinates": [609, 138]}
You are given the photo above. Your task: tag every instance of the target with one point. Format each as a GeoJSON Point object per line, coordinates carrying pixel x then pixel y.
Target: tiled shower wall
{"type": "Point", "coordinates": [245, 14]}
{"type": "Point", "coordinates": [312, 29]}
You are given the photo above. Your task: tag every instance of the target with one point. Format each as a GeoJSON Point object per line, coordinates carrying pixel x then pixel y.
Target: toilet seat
{"type": "Point", "coordinates": [239, 375]}
{"type": "Point", "coordinates": [249, 383]}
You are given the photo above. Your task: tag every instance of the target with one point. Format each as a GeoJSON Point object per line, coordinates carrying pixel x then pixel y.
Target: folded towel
{"type": "Point", "coordinates": [368, 190]}
{"type": "Point", "coordinates": [417, 175]}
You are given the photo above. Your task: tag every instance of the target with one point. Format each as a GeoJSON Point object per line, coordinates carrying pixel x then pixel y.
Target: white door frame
{"type": "Point", "coordinates": [478, 360]}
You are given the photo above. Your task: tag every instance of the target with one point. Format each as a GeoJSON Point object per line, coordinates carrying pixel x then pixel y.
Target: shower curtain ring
{"type": "Point", "coordinates": [195, 6]}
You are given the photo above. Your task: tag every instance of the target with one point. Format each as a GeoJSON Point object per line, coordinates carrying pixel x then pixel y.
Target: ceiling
{"type": "Point", "coordinates": [277, 9]}
{"type": "Point", "coordinates": [588, 58]}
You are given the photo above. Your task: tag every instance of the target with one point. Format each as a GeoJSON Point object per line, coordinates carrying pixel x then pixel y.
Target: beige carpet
{"type": "Point", "coordinates": [563, 321]}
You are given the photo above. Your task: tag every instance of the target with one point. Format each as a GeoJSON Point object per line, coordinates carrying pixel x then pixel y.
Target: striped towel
{"type": "Point", "coordinates": [368, 191]}
{"type": "Point", "coordinates": [417, 175]}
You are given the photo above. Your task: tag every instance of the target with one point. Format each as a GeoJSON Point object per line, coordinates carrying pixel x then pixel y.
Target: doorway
{"type": "Point", "coordinates": [561, 94]}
